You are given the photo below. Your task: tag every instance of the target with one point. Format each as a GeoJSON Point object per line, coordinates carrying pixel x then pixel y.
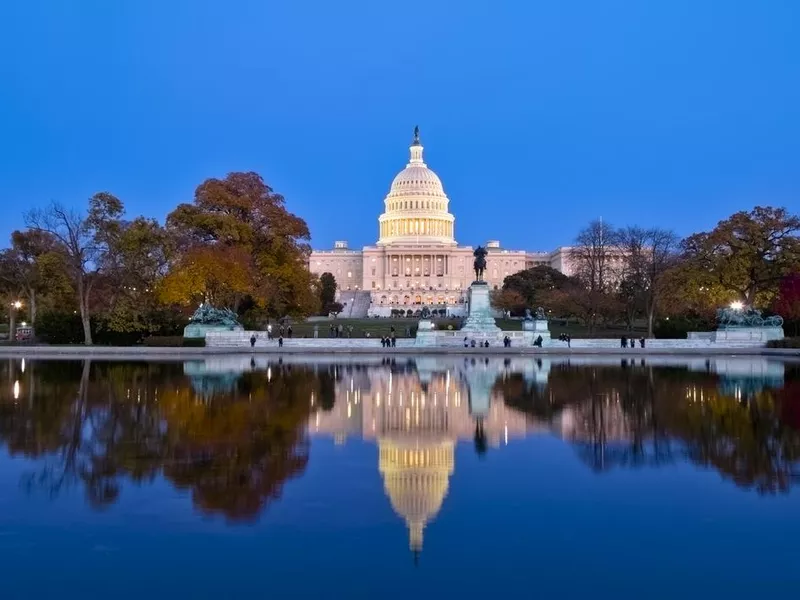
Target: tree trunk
{"type": "Point", "coordinates": [12, 324]}
{"type": "Point", "coordinates": [650, 318]}
{"type": "Point", "coordinates": [83, 301]}
{"type": "Point", "coordinates": [32, 306]}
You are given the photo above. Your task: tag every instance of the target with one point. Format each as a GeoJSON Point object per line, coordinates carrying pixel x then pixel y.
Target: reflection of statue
{"type": "Point", "coordinates": [540, 314]}
{"type": "Point", "coordinates": [480, 262]}
{"type": "Point", "coordinates": [749, 317]}
{"type": "Point", "coordinates": [208, 315]}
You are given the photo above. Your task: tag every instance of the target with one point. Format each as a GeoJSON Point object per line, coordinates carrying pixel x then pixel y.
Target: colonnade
{"type": "Point", "coordinates": [416, 226]}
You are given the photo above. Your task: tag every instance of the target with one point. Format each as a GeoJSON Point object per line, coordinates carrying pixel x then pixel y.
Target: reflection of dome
{"type": "Point", "coordinates": [416, 480]}
{"type": "Point", "coordinates": [416, 207]}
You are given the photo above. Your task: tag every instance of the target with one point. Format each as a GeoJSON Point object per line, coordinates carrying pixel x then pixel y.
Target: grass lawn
{"type": "Point", "coordinates": [379, 327]}
{"type": "Point", "coordinates": [375, 327]}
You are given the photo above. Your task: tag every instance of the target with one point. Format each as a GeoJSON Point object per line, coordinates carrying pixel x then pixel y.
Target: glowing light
{"type": "Point", "coordinates": [23, 365]}
{"type": "Point", "coordinates": [16, 390]}
{"type": "Point", "coordinates": [737, 305]}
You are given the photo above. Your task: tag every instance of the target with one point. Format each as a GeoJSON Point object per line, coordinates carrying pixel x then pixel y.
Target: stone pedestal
{"type": "Point", "coordinates": [480, 320]}
{"type": "Point", "coordinates": [426, 333]}
{"type": "Point", "coordinates": [533, 329]}
{"type": "Point", "coordinates": [753, 335]}
{"type": "Point", "coordinates": [199, 330]}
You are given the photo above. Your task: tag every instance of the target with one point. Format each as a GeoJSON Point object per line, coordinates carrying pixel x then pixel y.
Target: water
{"type": "Point", "coordinates": [433, 478]}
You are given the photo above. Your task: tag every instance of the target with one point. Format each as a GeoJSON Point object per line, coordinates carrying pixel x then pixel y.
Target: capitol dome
{"type": "Point", "coordinates": [416, 207]}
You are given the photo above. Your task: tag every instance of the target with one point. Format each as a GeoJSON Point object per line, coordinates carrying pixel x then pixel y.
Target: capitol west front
{"type": "Point", "coordinates": [416, 260]}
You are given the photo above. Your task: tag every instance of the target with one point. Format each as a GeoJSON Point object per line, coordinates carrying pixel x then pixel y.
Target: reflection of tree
{"type": "Point", "coordinates": [97, 425]}
{"type": "Point", "coordinates": [642, 416]}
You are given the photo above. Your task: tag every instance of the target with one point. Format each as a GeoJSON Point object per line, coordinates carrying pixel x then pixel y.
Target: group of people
{"type": "Point", "coordinates": [389, 341]}
{"type": "Point", "coordinates": [473, 344]}
{"type": "Point", "coordinates": [340, 331]}
{"type": "Point", "coordinates": [287, 331]}
{"type": "Point", "coordinates": [624, 342]}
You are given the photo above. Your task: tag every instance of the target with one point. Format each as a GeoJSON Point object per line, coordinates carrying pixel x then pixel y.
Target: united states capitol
{"type": "Point", "coordinates": [416, 260]}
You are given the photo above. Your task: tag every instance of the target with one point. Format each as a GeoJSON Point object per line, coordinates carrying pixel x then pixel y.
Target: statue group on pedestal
{"type": "Point", "coordinates": [749, 317]}
{"type": "Point", "coordinates": [208, 315]}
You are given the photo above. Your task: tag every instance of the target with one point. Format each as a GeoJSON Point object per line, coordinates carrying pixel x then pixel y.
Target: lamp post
{"type": "Point", "coordinates": [12, 320]}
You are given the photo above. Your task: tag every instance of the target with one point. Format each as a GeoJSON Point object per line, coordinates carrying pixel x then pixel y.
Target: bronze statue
{"type": "Point", "coordinates": [480, 262]}
{"type": "Point", "coordinates": [416, 135]}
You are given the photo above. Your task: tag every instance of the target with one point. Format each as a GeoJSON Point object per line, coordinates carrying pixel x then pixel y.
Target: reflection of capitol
{"type": "Point", "coordinates": [417, 416]}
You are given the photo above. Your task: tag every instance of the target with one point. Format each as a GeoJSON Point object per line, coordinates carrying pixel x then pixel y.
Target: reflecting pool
{"type": "Point", "coordinates": [384, 477]}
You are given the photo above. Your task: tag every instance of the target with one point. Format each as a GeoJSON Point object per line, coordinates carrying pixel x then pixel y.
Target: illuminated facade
{"type": "Point", "coordinates": [416, 260]}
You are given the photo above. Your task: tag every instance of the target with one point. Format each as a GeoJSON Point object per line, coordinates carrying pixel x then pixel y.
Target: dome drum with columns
{"type": "Point", "coordinates": [416, 260]}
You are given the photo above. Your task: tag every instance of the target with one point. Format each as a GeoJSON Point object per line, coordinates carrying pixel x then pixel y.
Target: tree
{"type": "Point", "coordinates": [508, 300]}
{"type": "Point", "coordinates": [787, 303]}
{"type": "Point", "coordinates": [135, 264]}
{"type": "Point", "coordinates": [646, 255]}
{"type": "Point", "coordinates": [746, 255]}
{"type": "Point", "coordinates": [82, 241]}
{"type": "Point", "coordinates": [531, 284]}
{"type": "Point", "coordinates": [327, 293]}
{"type": "Point", "coordinates": [241, 219]}
{"type": "Point", "coordinates": [593, 261]}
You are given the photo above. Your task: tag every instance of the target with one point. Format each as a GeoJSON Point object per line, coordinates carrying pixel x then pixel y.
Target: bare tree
{"type": "Point", "coordinates": [646, 255]}
{"type": "Point", "coordinates": [83, 242]}
{"type": "Point", "coordinates": [593, 260]}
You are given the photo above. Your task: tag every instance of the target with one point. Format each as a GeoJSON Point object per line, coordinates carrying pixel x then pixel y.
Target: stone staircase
{"type": "Point", "coordinates": [360, 305]}
{"type": "Point", "coordinates": [346, 299]}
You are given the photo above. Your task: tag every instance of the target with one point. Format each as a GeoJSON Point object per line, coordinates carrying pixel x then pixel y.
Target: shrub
{"type": "Point", "coordinates": [53, 327]}
{"type": "Point", "coordinates": [790, 342]}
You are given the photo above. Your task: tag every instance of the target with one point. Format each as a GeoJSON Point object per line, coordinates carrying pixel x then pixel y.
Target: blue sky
{"type": "Point", "coordinates": [537, 115]}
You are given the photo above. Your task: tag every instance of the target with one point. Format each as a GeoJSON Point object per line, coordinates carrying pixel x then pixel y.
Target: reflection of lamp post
{"type": "Point", "coordinates": [12, 320]}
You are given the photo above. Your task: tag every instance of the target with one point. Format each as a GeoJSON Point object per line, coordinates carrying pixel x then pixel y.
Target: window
{"type": "Point", "coordinates": [373, 285]}
{"type": "Point", "coordinates": [349, 273]}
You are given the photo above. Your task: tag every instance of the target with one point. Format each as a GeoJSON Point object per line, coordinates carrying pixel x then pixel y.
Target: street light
{"type": "Point", "coordinates": [737, 305]}
{"type": "Point", "coordinates": [17, 304]}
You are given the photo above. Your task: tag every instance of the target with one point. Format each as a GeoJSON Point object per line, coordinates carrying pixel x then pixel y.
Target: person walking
{"type": "Point", "coordinates": [289, 331]}
{"type": "Point", "coordinates": [280, 330]}
{"type": "Point", "coordinates": [269, 331]}
{"type": "Point", "coordinates": [394, 340]}
{"type": "Point", "coordinates": [280, 341]}
{"type": "Point", "coordinates": [253, 341]}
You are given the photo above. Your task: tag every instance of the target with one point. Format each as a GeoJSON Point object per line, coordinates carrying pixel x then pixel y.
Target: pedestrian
{"type": "Point", "coordinates": [383, 341]}
{"type": "Point", "coordinates": [569, 341]}
{"type": "Point", "coordinates": [394, 340]}
{"type": "Point", "coordinates": [280, 342]}
{"type": "Point", "coordinates": [316, 331]}
{"type": "Point", "coordinates": [641, 342]}
{"type": "Point", "coordinates": [289, 331]}
{"type": "Point", "coordinates": [623, 342]}
{"type": "Point", "coordinates": [486, 344]}
{"type": "Point", "coordinates": [538, 342]}
{"type": "Point", "coordinates": [280, 330]}
{"type": "Point", "coordinates": [331, 332]}
{"type": "Point", "coordinates": [253, 341]}
{"type": "Point", "coordinates": [633, 342]}
{"type": "Point", "coordinates": [466, 342]}
{"type": "Point", "coordinates": [269, 331]}
{"type": "Point", "coordinates": [350, 331]}
{"type": "Point", "coordinates": [472, 343]}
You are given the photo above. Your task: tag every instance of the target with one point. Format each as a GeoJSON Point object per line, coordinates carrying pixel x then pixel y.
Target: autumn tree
{"type": "Point", "coordinates": [746, 255]}
{"type": "Point", "coordinates": [133, 268]}
{"type": "Point", "coordinates": [508, 300]}
{"type": "Point", "coordinates": [82, 241]}
{"type": "Point", "coordinates": [787, 303]}
{"type": "Point", "coordinates": [237, 240]}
